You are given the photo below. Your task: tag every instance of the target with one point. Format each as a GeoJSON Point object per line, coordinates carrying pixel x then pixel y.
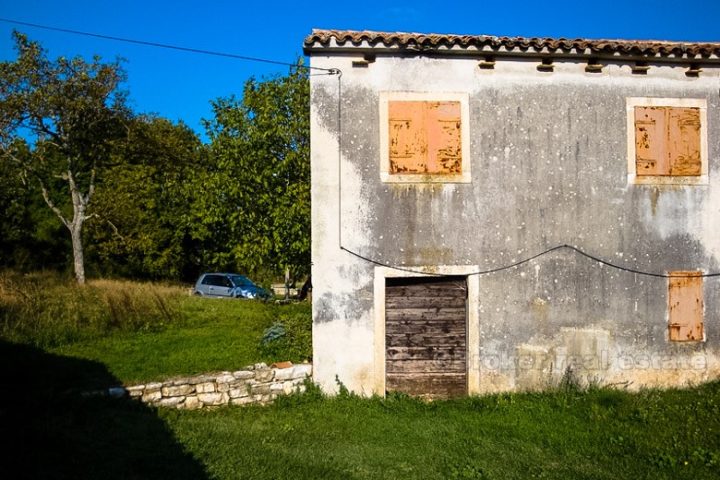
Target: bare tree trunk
{"type": "Point", "coordinates": [80, 202]}
{"type": "Point", "coordinates": [77, 246]}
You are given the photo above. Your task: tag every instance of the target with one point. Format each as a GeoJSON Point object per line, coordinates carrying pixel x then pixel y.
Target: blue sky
{"type": "Point", "coordinates": [180, 85]}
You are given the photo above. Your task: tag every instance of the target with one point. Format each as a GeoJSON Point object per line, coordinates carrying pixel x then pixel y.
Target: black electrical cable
{"type": "Point", "coordinates": [330, 71]}
{"type": "Point", "coordinates": [529, 259]}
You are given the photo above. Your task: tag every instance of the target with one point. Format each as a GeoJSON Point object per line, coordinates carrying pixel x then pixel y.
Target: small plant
{"type": "Point", "coordinates": [569, 383]}
{"type": "Point", "coordinates": [273, 333]}
{"type": "Point", "coordinates": [288, 338]}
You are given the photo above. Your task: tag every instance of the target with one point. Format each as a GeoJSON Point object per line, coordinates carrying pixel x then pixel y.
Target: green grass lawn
{"type": "Point", "coordinates": [599, 434]}
{"type": "Point", "coordinates": [215, 335]}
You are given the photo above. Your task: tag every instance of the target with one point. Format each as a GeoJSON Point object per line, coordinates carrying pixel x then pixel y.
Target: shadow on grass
{"type": "Point", "coordinates": [52, 431]}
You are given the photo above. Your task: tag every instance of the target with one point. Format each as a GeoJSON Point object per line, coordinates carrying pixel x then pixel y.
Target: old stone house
{"type": "Point", "coordinates": [496, 213]}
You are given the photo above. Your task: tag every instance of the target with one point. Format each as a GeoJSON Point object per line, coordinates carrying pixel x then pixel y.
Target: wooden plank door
{"type": "Point", "coordinates": [426, 336]}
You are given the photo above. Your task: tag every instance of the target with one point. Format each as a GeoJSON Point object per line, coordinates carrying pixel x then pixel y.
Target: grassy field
{"type": "Point", "coordinates": [147, 331]}
{"type": "Point", "coordinates": [58, 341]}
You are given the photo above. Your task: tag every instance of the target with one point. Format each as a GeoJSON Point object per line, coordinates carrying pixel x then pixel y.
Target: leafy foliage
{"type": "Point", "coordinates": [144, 229]}
{"type": "Point", "coordinates": [71, 114]}
{"type": "Point", "coordinates": [142, 196]}
{"type": "Point", "coordinates": [260, 146]}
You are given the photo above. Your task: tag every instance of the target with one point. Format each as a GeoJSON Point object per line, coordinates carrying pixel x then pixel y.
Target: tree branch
{"type": "Point", "coordinates": [115, 230]}
{"type": "Point", "coordinates": [52, 206]}
{"type": "Point", "coordinates": [91, 188]}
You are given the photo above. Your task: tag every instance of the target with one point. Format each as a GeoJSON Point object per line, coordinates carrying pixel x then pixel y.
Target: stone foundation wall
{"type": "Point", "coordinates": [253, 384]}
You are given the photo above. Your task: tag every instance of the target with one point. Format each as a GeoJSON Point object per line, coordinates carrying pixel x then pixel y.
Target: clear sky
{"type": "Point", "coordinates": [180, 85]}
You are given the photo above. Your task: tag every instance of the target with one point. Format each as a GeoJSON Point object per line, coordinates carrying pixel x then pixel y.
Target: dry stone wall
{"type": "Point", "coordinates": [257, 384]}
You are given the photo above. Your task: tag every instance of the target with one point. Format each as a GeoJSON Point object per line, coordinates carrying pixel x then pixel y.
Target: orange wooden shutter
{"type": "Point", "coordinates": [424, 137]}
{"type": "Point", "coordinates": [650, 150]}
{"type": "Point", "coordinates": [444, 145]}
{"type": "Point", "coordinates": [683, 147]}
{"type": "Point", "coordinates": [407, 137]}
{"type": "Point", "coordinates": [685, 301]}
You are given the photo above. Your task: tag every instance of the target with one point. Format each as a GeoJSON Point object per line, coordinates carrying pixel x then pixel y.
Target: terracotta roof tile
{"type": "Point", "coordinates": [322, 39]}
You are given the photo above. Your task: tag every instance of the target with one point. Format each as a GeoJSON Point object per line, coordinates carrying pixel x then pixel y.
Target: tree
{"type": "Point", "coordinates": [72, 114]}
{"type": "Point", "coordinates": [146, 198]}
{"type": "Point", "coordinates": [261, 148]}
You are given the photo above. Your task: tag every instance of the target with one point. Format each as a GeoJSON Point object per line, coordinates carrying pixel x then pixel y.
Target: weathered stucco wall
{"type": "Point", "coordinates": [549, 167]}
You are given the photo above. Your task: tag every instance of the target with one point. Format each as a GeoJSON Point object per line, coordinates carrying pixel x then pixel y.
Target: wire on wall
{"type": "Point", "coordinates": [529, 259]}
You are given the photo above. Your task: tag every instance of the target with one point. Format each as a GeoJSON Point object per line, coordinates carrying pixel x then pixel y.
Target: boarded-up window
{"type": "Point", "coordinates": [424, 137]}
{"type": "Point", "coordinates": [667, 141]}
{"type": "Point", "coordinates": [685, 301]}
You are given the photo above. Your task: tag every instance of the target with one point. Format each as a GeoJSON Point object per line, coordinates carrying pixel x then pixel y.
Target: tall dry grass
{"type": "Point", "coordinates": [46, 309]}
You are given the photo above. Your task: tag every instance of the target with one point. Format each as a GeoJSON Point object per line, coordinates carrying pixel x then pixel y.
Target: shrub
{"type": "Point", "coordinates": [289, 337]}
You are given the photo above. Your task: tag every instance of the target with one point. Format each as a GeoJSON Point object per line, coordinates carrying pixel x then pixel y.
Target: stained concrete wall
{"type": "Point", "coordinates": [549, 167]}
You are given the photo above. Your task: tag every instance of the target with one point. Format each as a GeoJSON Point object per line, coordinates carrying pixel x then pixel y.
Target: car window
{"type": "Point", "coordinates": [216, 281]}
{"type": "Point", "coordinates": [241, 281]}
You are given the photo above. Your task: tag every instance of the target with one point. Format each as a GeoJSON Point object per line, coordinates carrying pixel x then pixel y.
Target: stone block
{"type": "Point", "coordinates": [284, 373]}
{"type": "Point", "coordinates": [191, 403]}
{"type": "Point", "coordinates": [289, 387]}
{"type": "Point", "coordinates": [225, 378]}
{"type": "Point", "coordinates": [135, 389]}
{"type": "Point", "coordinates": [223, 387]}
{"type": "Point", "coordinates": [177, 390]}
{"type": "Point", "coordinates": [277, 388]}
{"type": "Point", "coordinates": [260, 389]}
{"type": "Point", "coordinates": [149, 397]}
{"type": "Point", "coordinates": [297, 371]}
{"type": "Point", "coordinates": [207, 387]}
{"type": "Point", "coordinates": [303, 370]}
{"type": "Point", "coordinates": [151, 387]}
{"type": "Point", "coordinates": [238, 392]}
{"type": "Point", "coordinates": [260, 366]}
{"type": "Point", "coordinates": [242, 401]}
{"type": "Point", "coordinates": [264, 375]}
{"type": "Point", "coordinates": [201, 379]}
{"type": "Point", "coordinates": [170, 401]}
{"type": "Point", "coordinates": [243, 374]}
{"type": "Point", "coordinates": [213, 398]}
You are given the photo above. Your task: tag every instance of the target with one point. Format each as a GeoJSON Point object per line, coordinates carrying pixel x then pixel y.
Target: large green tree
{"type": "Point", "coordinates": [146, 199]}
{"type": "Point", "coordinates": [71, 114]}
{"type": "Point", "coordinates": [260, 191]}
